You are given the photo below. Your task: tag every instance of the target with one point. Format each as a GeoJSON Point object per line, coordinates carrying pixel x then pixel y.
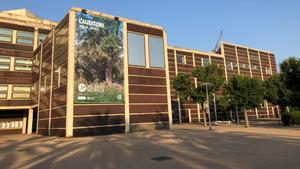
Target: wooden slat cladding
{"type": "Point", "coordinates": [16, 27]}
{"type": "Point", "coordinates": [99, 109]}
{"type": "Point", "coordinates": [87, 121]}
{"type": "Point", "coordinates": [10, 131]}
{"type": "Point", "coordinates": [145, 30]}
{"type": "Point", "coordinates": [148, 108]}
{"type": "Point", "coordinates": [14, 102]}
{"type": "Point", "coordinates": [78, 132]}
{"type": "Point", "coordinates": [146, 72]}
{"type": "Point", "coordinates": [146, 118]}
{"type": "Point", "coordinates": [15, 77]}
{"type": "Point", "coordinates": [16, 47]}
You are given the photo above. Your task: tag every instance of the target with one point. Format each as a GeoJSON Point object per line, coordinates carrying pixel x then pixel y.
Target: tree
{"type": "Point", "coordinates": [276, 92]}
{"type": "Point", "coordinates": [211, 74]}
{"type": "Point", "coordinates": [245, 93]}
{"type": "Point", "coordinates": [290, 75]}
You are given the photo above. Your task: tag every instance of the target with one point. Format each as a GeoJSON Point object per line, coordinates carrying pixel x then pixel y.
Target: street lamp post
{"type": "Point", "coordinates": [208, 112]}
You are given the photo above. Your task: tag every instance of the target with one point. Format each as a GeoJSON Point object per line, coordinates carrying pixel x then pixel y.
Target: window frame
{"type": "Point", "coordinates": [183, 58]}
{"type": "Point", "coordinates": [5, 63]}
{"type": "Point", "coordinates": [163, 51]}
{"type": "Point", "coordinates": [23, 64]}
{"type": "Point", "coordinates": [3, 91]}
{"type": "Point", "coordinates": [7, 36]}
{"type": "Point", "coordinates": [128, 55]}
{"type": "Point", "coordinates": [24, 38]}
{"type": "Point", "coordinates": [20, 92]}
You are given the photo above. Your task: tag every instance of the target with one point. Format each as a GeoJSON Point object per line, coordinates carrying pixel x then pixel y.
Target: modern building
{"type": "Point", "coordinates": [94, 73]}
{"type": "Point", "coordinates": [20, 33]}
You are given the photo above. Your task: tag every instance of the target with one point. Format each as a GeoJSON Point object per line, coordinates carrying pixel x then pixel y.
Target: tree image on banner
{"type": "Point", "coordinates": [99, 60]}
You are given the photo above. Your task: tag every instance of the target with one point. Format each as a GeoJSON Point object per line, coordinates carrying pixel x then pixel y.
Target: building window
{"type": "Point", "coordinates": [180, 59]}
{"type": "Point", "coordinates": [136, 49]}
{"type": "Point", "coordinates": [6, 35]}
{"type": "Point", "coordinates": [3, 91]}
{"type": "Point", "coordinates": [205, 62]}
{"type": "Point", "coordinates": [254, 68]}
{"type": "Point", "coordinates": [156, 52]}
{"type": "Point", "coordinates": [25, 38]}
{"type": "Point", "coordinates": [243, 66]}
{"type": "Point", "coordinates": [21, 92]}
{"type": "Point", "coordinates": [23, 64]}
{"type": "Point", "coordinates": [4, 62]}
{"type": "Point", "coordinates": [229, 66]}
{"type": "Point", "coordinates": [41, 38]}
{"type": "Point", "coordinates": [268, 71]}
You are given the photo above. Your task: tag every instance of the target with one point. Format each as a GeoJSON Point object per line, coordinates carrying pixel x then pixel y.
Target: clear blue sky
{"type": "Point", "coordinates": [269, 25]}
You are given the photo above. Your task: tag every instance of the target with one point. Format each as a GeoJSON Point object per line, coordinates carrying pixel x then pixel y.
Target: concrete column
{"type": "Point", "coordinates": [30, 120]}
{"type": "Point", "coordinates": [190, 116]}
{"type": "Point", "coordinates": [24, 124]}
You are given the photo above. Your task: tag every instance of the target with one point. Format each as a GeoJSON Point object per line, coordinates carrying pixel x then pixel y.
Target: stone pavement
{"type": "Point", "coordinates": [185, 146]}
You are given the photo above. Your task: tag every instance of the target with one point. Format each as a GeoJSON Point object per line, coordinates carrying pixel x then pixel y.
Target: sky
{"type": "Point", "coordinates": [272, 25]}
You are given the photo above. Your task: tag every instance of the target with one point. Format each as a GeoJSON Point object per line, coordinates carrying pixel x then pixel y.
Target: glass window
{"type": "Point", "coordinates": [21, 92]}
{"type": "Point", "coordinates": [41, 38]}
{"type": "Point", "coordinates": [25, 41]}
{"type": "Point", "coordinates": [136, 49]}
{"type": "Point", "coordinates": [205, 62]}
{"type": "Point", "coordinates": [25, 34]}
{"type": "Point", "coordinates": [3, 91]}
{"type": "Point", "coordinates": [25, 37]}
{"type": "Point", "coordinates": [156, 52]}
{"type": "Point", "coordinates": [180, 59]}
{"type": "Point", "coordinates": [23, 64]}
{"type": "Point", "coordinates": [4, 62]}
{"type": "Point", "coordinates": [6, 35]}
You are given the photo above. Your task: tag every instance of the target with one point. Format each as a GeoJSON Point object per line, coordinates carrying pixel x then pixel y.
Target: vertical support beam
{"type": "Point", "coordinates": [12, 64]}
{"type": "Point", "coordinates": [209, 59]}
{"type": "Point", "coordinates": [147, 50]}
{"type": "Point", "coordinates": [256, 113]}
{"type": "Point", "coordinates": [231, 118]}
{"type": "Point", "coordinates": [190, 116]}
{"type": "Point", "coordinates": [30, 121]}
{"type": "Point", "coordinates": [215, 107]}
{"type": "Point", "coordinates": [14, 37]}
{"type": "Point", "coordinates": [273, 112]}
{"type": "Point", "coordinates": [9, 91]}
{"type": "Point", "coordinates": [126, 83]}
{"type": "Point", "coordinates": [225, 65]}
{"type": "Point", "coordinates": [176, 72]}
{"type": "Point", "coordinates": [39, 89]}
{"type": "Point", "coordinates": [36, 38]}
{"type": "Point", "coordinates": [71, 71]}
{"type": "Point", "coordinates": [198, 111]}
{"type": "Point", "coordinates": [168, 81]}
{"type": "Point", "coordinates": [249, 62]}
{"type": "Point", "coordinates": [237, 60]}
{"type": "Point", "coordinates": [24, 124]}
{"type": "Point", "coordinates": [267, 106]}
{"type": "Point", "coordinates": [261, 71]}
{"type": "Point", "coordinates": [51, 82]}
{"type": "Point", "coordinates": [271, 72]}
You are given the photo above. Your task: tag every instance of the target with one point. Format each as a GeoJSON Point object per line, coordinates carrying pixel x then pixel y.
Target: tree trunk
{"type": "Point", "coordinates": [246, 118]}
{"type": "Point", "coordinates": [109, 75]}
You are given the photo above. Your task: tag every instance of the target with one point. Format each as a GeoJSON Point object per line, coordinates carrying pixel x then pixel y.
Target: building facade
{"type": "Point", "coordinates": [20, 33]}
{"type": "Point", "coordinates": [94, 73]}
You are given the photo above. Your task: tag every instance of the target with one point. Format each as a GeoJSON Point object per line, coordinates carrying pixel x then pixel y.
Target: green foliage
{"type": "Point", "coordinates": [275, 91]}
{"type": "Point", "coordinates": [211, 74]}
{"type": "Point", "coordinates": [186, 90]}
{"type": "Point", "coordinates": [183, 86]}
{"type": "Point", "coordinates": [245, 92]}
{"type": "Point", "coordinates": [286, 118]}
{"type": "Point", "coordinates": [225, 103]}
{"type": "Point", "coordinates": [295, 117]}
{"type": "Point", "coordinates": [290, 75]}
{"type": "Point", "coordinates": [198, 94]}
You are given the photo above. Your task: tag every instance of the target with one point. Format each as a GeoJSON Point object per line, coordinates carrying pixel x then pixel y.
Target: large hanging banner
{"type": "Point", "coordinates": [99, 74]}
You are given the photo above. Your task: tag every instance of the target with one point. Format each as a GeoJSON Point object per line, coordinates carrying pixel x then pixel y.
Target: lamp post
{"type": "Point", "coordinates": [208, 112]}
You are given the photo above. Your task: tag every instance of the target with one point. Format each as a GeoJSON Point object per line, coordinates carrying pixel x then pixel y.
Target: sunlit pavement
{"type": "Point", "coordinates": [186, 146]}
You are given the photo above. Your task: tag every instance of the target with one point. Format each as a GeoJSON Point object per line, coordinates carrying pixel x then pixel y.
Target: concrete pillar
{"type": "Point", "coordinates": [30, 120]}
{"type": "Point", "coordinates": [24, 124]}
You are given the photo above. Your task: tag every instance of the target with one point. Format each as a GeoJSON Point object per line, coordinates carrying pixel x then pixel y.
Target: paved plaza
{"type": "Point", "coordinates": [186, 146]}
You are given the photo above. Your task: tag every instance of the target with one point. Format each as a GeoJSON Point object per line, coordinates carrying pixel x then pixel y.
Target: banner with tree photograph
{"type": "Point", "coordinates": [99, 74]}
